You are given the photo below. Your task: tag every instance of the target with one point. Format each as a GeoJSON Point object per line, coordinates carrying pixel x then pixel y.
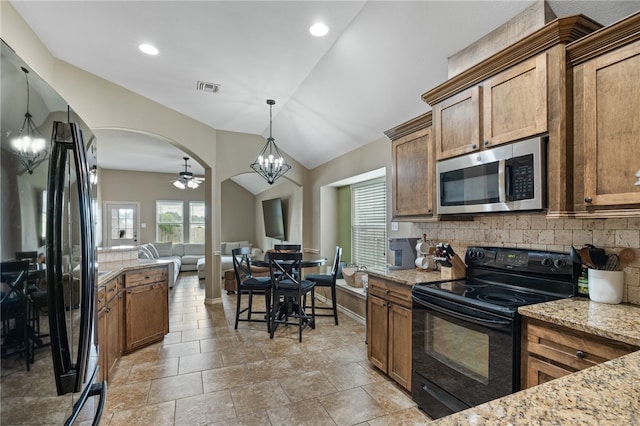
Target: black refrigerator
{"type": "Point", "coordinates": [49, 364]}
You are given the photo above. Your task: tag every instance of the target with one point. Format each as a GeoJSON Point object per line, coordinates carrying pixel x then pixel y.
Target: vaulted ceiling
{"type": "Point", "coordinates": [333, 94]}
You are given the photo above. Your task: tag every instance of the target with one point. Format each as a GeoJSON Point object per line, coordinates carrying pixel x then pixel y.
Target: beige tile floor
{"type": "Point", "coordinates": [207, 373]}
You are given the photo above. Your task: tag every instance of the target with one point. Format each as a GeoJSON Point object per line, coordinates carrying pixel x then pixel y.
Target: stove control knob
{"type": "Point", "coordinates": [480, 255]}
{"type": "Point", "coordinates": [547, 262]}
{"type": "Point", "coordinates": [559, 263]}
{"type": "Point", "coordinates": [472, 254]}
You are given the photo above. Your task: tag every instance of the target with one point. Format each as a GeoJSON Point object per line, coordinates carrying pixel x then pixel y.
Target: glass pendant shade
{"type": "Point", "coordinates": [29, 145]}
{"type": "Point", "coordinates": [270, 163]}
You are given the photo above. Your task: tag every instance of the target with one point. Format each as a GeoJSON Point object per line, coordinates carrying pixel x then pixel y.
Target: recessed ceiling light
{"type": "Point", "coordinates": [319, 29]}
{"type": "Point", "coordinates": [148, 49]}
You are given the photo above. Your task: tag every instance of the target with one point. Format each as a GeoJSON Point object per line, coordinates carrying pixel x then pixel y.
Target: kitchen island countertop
{"type": "Point", "coordinates": [406, 276]}
{"type": "Point", "coordinates": [603, 394]}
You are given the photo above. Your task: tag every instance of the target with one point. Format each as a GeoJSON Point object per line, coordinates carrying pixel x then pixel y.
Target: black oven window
{"type": "Point", "coordinates": [460, 348]}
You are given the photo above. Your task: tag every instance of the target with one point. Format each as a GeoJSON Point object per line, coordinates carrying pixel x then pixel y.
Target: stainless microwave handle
{"type": "Point", "coordinates": [502, 181]}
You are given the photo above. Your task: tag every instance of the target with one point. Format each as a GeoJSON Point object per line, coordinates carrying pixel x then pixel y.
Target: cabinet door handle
{"type": "Point", "coordinates": [486, 143]}
{"type": "Point", "coordinates": [588, 200]}
{"type": "Point", "coordinates": [387, 291]}
{"type": "Point", "coordinates": [580, 354]}
{"type": "Point", "coordinates": [474, 146]}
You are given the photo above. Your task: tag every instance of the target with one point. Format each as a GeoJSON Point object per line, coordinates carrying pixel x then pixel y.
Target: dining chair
{"type": "Point", "coordinates": [14, 307]}
{"type": "Point", "coordinates": [327, 280]}
{"type": "Point", "coordinates": [248, 284]}
{"type": "Point", "coordinates": [287, 247]}
{"type": "Point", "coordinates": [288, 292]}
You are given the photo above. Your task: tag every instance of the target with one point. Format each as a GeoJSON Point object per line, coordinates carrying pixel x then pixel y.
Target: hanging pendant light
{"type": "Point", "coordinates": [270, 163]}
{"type": "Point", "coordinates": [29, 146]}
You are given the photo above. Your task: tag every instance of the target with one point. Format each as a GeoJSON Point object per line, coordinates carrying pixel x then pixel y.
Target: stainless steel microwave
{"type": "Point", "coordinates": [505, 178]}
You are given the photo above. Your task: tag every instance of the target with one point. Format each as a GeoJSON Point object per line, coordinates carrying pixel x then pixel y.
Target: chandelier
{"type": "Point", "coordinates": [29, 146]}
{"type": "Point", "coordinates": [270, 163]}
{"type": "Point", "coordinates": [186, 179]}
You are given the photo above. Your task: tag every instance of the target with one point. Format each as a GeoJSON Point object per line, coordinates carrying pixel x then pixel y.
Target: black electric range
{"type": "Point", "coordinates": [501, 279]}
{"type": "Point", "coordinates": [466, 332]}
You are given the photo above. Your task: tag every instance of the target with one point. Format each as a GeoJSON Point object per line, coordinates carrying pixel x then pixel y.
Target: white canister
{"type": "Point", "coordinates": [422, 262]}
{"type": "Point", "coordinates": [606, 286]}
{"type": "Point", "coordinates": [422, 247]}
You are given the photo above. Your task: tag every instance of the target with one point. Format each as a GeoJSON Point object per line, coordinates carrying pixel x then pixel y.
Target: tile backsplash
{"type": "Point", "coordinates": [537, 232]}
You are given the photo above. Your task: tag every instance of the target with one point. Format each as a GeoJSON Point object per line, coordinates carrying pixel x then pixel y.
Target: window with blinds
{"type": "Point", "coordinates": [369, 223]}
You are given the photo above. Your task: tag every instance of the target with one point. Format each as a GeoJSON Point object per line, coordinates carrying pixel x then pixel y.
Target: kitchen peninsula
{"type": "Point", "coordinates": [132, 304]}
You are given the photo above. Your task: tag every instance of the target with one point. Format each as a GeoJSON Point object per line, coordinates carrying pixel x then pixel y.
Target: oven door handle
{"type": "Point", "coordinates": [498, 324]}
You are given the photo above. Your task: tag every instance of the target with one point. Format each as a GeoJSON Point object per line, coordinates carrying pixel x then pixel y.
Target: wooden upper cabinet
{"type": "Point", "coordinates": [515, 102]}
{"type": "Point", "coordinates": [413, 168]}
{"type": "Point", "coordinates": [456, 124]}
{"type": "Point", "coordinates": [607, 118]}
{"type": "Point", "coordinates": [612, 127]}
{"type": "Point", "coordinates": [509, 106]}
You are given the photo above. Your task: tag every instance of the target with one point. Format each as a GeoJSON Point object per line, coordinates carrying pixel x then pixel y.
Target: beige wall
{"type": "Point", "coordinates": [292, 200]}
{"type": "Point", "coordinates": [226, 154]}
{"type": "Point", "coordinates": [145, 188]}
{"type": "Point", "coordinates": [104, 105]}
{"type": "Point", "coordinates": [370, 157]}
{"type": "Point", "coordinates": [238, 213]}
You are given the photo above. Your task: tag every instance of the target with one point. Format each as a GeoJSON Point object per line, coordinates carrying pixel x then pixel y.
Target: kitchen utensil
{"type": "Point", "coordinates": [575, 257]}
{"type": "Point", "coordinates": [612, 262]}
{"type": "Point", "coordinates": [626, 256]}
{"type": "Point", "coordinates": [598, 256]}
{"type": "Point", "coordinates": [586, 258]}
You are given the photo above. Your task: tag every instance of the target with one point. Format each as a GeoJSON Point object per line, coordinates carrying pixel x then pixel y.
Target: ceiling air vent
{"type": "Point", "coordinates": [203, 86]}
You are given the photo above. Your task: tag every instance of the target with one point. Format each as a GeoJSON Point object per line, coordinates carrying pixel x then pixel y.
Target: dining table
{"type": "Point", "coordinates": [309, 260]}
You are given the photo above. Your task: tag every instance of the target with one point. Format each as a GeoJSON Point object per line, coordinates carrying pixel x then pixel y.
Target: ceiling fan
{"type": "Point", "coordinates": [186, 179]}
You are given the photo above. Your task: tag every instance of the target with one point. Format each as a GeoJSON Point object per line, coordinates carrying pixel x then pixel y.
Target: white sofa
{"type": "Point", "coordinates": [226, 260]}
{"type": "Point", "coordinates": [184, 256]}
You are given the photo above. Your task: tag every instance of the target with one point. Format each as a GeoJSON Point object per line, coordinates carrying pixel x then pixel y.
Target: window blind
{"type": "Point", "coordinates": [369, 223]}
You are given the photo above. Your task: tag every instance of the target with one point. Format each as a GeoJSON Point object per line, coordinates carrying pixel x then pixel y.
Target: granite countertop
{"type": "Point", "coordinates": [406, 276]}
{"type": "Point", "coordinates": [604, 394]}
{"type": "Point", "coordinates": [617, 322]}
{"type": "Point", "coordinates": [111, 270]}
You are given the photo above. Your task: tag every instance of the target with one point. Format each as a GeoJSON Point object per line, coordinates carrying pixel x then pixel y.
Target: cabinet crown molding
{"type": "Point", "coordinates": [418, 123]}
{"type": "Point", "coordinates": [604, 40]}
{"type": "Point", "coordinates": [558, 31]}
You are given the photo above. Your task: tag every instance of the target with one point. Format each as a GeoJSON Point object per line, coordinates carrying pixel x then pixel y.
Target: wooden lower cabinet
{"type": "Point", "coordinates": [110, 323]}
{"type": "Point", "coordinates": [132, 313]}
{"type": "Point", "coordinates": [146, 307]}
{"type": "Point", "coordinates": [550, 351]}
{"type": "Point", "coordinates": [389, 329]}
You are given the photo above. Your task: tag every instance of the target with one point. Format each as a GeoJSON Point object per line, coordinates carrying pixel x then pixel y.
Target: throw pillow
{"type": "Point", "coordinates": [231, 246]}
{"type": "Point", "coordinates": [144, 253]}
{"type": "Point", "coordinates": [164, 249]}
{"type": "Point", "coordinates": [152, 249]}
